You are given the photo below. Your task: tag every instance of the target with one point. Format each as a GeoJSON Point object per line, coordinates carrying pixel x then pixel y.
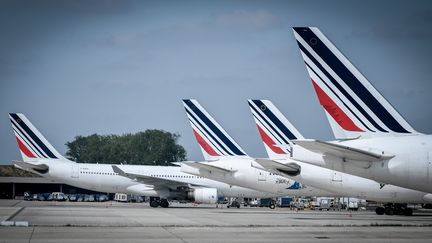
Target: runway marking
{"type": "Point", "coordinates": [16, 204]}
{"type": "Point", "coordinates": [174, 234]}
{"type": "Point", "coordinates": [31, 235]}
{"type": "Point", "coordinates": [15, 214]}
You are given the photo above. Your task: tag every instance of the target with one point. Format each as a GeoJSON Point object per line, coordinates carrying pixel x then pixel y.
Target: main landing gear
{"type": "Point", "coordinates": [233, 204]}
{"type": "Point", "coordinates": [159, 202]}
{"type": "Point", "coordinates": [394, 209]}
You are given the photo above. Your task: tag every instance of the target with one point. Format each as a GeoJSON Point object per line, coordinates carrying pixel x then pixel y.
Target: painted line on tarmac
{"type": "Point", "coordinates": [239, 226]}
{"type": "Point", "coordinates": [16, 203]}
{"type": "Point", "coordinates": [15, 214]}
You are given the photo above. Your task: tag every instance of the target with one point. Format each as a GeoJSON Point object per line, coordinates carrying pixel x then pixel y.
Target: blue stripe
{"type": "Point", "coordinates": [205, 134]}
{"type": "Point", "coordinates": [204, 130]}
{"type": "Point", "coordinates": [328, 86]}
{"type": "Point", "coordinates": [40, 154]}
{"type": "Point", "coordinates": [26, 143]}
{"type": "Point", "coordinates": [342, 90]}
{"type": "Point", "coordinates": [270, 131]}
{"type": "Point", "coordinates": [275, 120]}
{"type": "Point", "coordinates": [353, 83]}
{"type": "Point", "coordinates": [212, 127]}
{"type": "Point", "coordinates": [265, 119]}
{"type": "Point", "coordinates": [32, 135]}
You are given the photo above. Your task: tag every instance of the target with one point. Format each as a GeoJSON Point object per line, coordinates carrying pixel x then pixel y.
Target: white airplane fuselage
{"type": "Point", "coordinates": [247, 173]}
{"type": "Point", "coordinates": [101, 177]}
{"type": "Point", "coordinates": [355, 186]}
{"type": "Point", "coordinates": [410, 167]}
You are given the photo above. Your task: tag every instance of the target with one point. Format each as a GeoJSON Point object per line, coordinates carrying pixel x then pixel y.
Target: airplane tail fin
{"type": "Point", "coordinates": [32, 144]}
{"type": "Point", "coordinates": [214, 141]}
{"type": "Point", "coordinates": [353, 106]}
{"type": "Point", "coordinates": [275, 129]}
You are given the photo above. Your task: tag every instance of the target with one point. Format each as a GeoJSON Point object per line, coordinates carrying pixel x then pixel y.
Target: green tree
{"type": "Point", "coordinates": [151, 147]}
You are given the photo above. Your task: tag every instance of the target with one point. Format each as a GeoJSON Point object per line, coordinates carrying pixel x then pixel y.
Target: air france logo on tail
{"type": "Point", "coordinates": [212, 138]}
{"type": "Point", "coordinates": [30, 141]}
{"type": "Point", "coordinates": [275, 130]}
{"type": "Point", "coordinates": [348, 98]}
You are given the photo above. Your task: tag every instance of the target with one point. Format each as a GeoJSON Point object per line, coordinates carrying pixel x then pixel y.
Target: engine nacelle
{"type": "Point", "coordinates": [142, 190]}
{"type": "Point", "coordinates": [204, 195]}
{"type": "Point", "coordinates": [428, 197]}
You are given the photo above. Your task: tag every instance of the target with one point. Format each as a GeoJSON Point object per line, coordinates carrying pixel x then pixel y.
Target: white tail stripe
{"type": "Point", "coordinates": [354, 90]}
{"type": "Point", "coordinates": [337, 91]}
{"type": "Point", "coordinates": [259, 121]}
{"type": "Point", "coordinates": [208, 140]}
{"type": "Point", "coordinates": [205, 131]}
{"type": "Point", "coordinates": [362, 79]}
{"type": "Point", "coordinates": [26, 144]}
{"type": "Point", "coordinates": [347, 104]}
{"type": "Point", "coordinates": [209, 125]}
{"type": "Point", "coordinates": [31, 145]}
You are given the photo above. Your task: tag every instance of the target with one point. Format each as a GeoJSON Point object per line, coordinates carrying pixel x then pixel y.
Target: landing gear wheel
{"type": "Point", "coordinates": [389, 211]}
{"type": "Point", "coordinates": [272, 206]}
{"type": "Point", "coordinates": [234, 204]}
{"type": "Point", "coordinates": [408, 212]}
{"type": "Point", "coordinates": [380, 210]}
{"type": "Point", "coordinates": [154, 204]}
{"type": "Point", "coordinates": [164, 203]}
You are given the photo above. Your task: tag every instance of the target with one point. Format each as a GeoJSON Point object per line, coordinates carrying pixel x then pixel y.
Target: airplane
{"type": "Point", "coordinates": [277, 133]}
{"type": "Point", "coordinates": [227, 162]}
{"type": "Point", "coordinates": [373, 140]}
{"type": "Point", "coordinates": [165, 182]}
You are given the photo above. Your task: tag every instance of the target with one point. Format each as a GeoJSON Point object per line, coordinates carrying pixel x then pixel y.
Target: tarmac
{"type": "Point", "coordinates": [114, 222]}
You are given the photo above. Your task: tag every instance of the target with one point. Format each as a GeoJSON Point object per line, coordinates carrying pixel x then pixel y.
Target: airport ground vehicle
{"type": "Point", "coordinates": [59, 196]}
{"type": "Point", "coordinates": [283, 202]}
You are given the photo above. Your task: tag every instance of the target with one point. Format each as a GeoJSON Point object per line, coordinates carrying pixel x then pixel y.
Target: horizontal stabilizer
{"type": "Point", "coordinates": [29, 165]}
{"type": "Point", "coordinates": [207, 166]}
{"type": "Point", "coordinates": [288, 169]}
{"type": "Point", "coordinates": [341, 151]}
{"type": "Point", "coordinates": [179, 163]}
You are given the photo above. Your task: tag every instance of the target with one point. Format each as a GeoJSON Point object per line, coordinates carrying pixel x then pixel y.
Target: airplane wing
{"type": "Point", "coordinates": [156, 182]}
{"type": "Point", "coordinates": [287, 169]}
{"type": "Point", "coordinates": [207, 166]}
{"type": "Point", "coordinates": [342, 151]}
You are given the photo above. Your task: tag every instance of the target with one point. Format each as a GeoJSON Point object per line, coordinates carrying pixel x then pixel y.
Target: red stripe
{"type": "Point", "coordinates": [205, 145]}
{"type": "Point", "coordinates": [270, 143]}
{"type": "Point", "coordinates": [335, 111]}
{"type": "Point", "coordinates": [24, 149]}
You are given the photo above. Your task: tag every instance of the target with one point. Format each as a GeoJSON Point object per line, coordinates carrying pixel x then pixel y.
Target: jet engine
{"type": "Point", "coordinates": [143, 190]}
{"type": "Point", "coordinates": [204, 195]}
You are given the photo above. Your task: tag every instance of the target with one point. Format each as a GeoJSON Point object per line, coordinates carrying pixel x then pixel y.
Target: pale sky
{"type": "Point", "coordinates": [113, 67]}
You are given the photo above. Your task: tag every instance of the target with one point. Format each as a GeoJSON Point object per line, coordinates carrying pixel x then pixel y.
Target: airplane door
{"type": "Point", "coordinates": [336, 176]}
{"type": "Point", "coordinates": [262, 177]}
{"type": "Point", "coordinates": [75, 171]}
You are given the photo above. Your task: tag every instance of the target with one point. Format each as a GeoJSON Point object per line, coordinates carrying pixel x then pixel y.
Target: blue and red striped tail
{"type": "Point", "coordinates": [32, 144]}
{"type": "Point", "coordinates": [353, 106]}
{"type": "Point", "coordinates": [214, 141]}
{"type": "Point", "coordinates": [274, 128]}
